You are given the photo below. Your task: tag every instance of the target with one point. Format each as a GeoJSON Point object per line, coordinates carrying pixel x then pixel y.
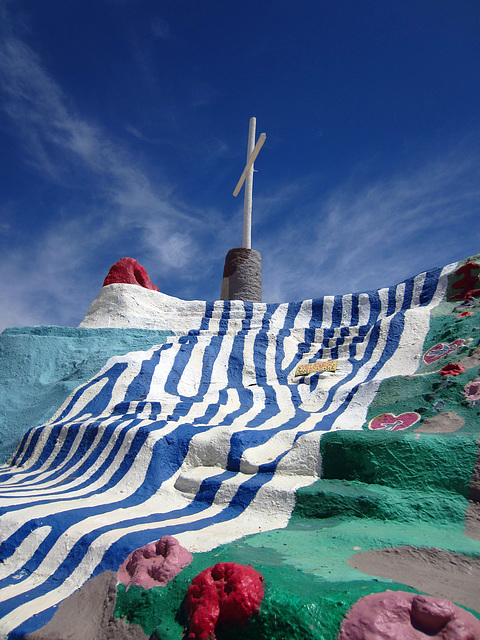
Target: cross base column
{"type": "Point", "coordinates": [242, 275]}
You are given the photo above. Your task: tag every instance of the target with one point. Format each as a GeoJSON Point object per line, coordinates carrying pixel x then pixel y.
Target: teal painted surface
{"type": "Point", "coordinates": [401, 460]}
{"type": "Point", "coordinates": [41, 366]}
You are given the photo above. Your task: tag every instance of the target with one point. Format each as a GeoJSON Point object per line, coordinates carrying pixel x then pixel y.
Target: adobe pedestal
{"type": "Point", "coordinates": [242, 275]}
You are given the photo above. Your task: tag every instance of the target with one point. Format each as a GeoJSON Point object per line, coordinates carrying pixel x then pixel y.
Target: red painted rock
{"type": "Point", "coordinates": [228, 593]}
{"type": "Point", "coordinates": [155, 564]}
{"type": "Point", "coordinates": [391, 422]}
{"type": "Point", "coordinates": [452, 370]}
{"type": "Point", "coordinates": [129, 271]}
{"type": "Point", "coordinates": [397, 615]}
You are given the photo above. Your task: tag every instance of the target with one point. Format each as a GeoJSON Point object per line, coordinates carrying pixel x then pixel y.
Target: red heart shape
{"type": "Point", "coordinates": [442, 349]}
{"type": "Point", "coordinates": [391, 422]}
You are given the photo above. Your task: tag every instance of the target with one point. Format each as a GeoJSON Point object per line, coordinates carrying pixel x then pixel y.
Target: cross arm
{"type": "Point", "coordinates": [250, 162]}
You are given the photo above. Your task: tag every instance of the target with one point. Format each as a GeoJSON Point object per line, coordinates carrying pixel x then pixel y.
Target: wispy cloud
{"type": "Point", "coordinates": [66, 148]}
{"type": "Point", "coordinates": [364, 236]}
{"type": "Point", "coordinates": [45, 284]}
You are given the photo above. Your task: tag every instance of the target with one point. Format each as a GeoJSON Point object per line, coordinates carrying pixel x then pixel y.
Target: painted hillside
{"type": "Point", "coordinates": [330, 443]}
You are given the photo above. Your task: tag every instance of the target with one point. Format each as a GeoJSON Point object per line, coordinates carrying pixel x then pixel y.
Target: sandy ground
{"type": "Point", "coordinates": [88, 615]}
{"type": "Point", "coordinates": [435, 571]}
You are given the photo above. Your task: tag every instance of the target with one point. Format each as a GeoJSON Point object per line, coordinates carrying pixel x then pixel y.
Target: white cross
{"type": "Point", "coordinates": [247, 177]}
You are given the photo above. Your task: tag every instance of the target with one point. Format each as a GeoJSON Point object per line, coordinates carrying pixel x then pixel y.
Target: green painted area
{"type": "Point", "coordinates": [308, 585]}
{"type": "Point", "coordinates": [296, 605]}
{"type": "Point", "coordinates": [401, 460]}
{"type": "Point", "coordinates": [41, 366]}
{"type": "Point", "coordinates": [331, 498]}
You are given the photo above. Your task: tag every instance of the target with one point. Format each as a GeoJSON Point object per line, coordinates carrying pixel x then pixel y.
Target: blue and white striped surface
{"type": "Point", "coordinates": [206, 437]}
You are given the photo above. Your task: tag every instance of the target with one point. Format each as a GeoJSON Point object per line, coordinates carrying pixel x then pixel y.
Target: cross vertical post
{"type": "Point", "coordinates": [247, 177]}
{"type": "Point", "coordinates": [247, 201]}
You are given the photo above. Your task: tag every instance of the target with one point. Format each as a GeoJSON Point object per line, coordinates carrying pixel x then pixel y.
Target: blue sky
{"type": "Point", "coordinates": [124, 125]}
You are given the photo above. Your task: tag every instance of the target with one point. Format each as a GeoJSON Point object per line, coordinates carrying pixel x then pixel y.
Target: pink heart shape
{"type": "Point", "coordinates": [391, 422]}
{"type": "Point", "coordinates": [441, 349]}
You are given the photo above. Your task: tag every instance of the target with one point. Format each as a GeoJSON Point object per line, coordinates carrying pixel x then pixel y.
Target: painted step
{"type": "Point", "coordinates": [330, 498]}
{"type": "Point", "coordinates": [400, 460]}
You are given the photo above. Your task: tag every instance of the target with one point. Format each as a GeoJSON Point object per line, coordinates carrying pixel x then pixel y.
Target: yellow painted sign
{"type": "Point", "coordinates": [311, 367]}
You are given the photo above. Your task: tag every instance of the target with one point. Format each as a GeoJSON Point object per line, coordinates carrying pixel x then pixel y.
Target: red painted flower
{"type": "Point", "coordinates": [226, 594]}
{"type": "Point", "coordinates": [465, 314]}
{"type": "Point", "coordinates": [452, 370]}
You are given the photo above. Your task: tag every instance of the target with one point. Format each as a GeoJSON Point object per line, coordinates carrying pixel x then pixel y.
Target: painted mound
{"type": "Point", "coordinates": [204, 422]}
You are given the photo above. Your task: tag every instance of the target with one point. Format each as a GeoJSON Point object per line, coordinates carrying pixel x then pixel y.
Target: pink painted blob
{"type": "Point", "coordinates": [397, 615]}
{"type": "Point", "coordinates": [472, 391]}
{"type": "Point", "coordinates": [155, 564]}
